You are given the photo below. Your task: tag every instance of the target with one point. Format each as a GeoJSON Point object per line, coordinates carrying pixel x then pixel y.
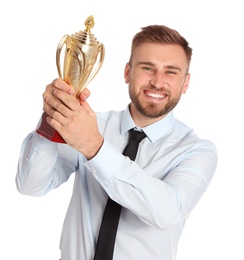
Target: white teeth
{"type": "Point", "coordinates": [156, 95]}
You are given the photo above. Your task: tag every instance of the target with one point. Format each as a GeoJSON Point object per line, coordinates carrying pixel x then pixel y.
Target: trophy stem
{"type": "Point", "coordinates": [48, 132]}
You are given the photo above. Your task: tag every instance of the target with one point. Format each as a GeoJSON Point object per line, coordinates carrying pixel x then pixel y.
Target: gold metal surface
{"type": "Point", "coordinates": [83, 57]}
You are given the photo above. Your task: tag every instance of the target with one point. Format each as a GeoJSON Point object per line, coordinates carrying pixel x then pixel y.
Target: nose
{"type": "Point", "coordinates": [158, 80]}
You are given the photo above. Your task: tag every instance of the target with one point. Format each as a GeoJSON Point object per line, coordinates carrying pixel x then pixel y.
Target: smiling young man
{"type": "Point", "coordinates": [158, 190]}
{"type": "Point", "coordinates": [157, 75]}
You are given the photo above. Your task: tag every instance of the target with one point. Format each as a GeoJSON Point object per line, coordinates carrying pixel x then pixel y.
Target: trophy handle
{"type": "Point", "coordinates": [58, 53]}
{"type": "Point", "coordinates": [100, 62]}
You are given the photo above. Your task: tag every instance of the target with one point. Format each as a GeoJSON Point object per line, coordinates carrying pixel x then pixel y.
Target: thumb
{"type": "Point", "coordinates": [84, 94]}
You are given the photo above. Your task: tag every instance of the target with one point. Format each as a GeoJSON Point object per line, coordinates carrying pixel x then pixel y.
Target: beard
{"type": "Point", "coordinates": [150, 109]}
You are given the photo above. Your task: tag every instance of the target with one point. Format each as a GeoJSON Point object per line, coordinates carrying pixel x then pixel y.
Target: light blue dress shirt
{"type": "Point", "coordinates": [172, 170]}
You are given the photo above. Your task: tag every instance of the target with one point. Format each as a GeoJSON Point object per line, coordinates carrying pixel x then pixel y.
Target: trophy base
{"type": "Point", "coordinates": [48, 132]}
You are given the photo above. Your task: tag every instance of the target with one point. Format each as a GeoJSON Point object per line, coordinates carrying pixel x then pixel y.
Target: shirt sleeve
{"type": "Point", "coordinates": [159, 202]}
{"type": "Point", "coordinates": [43, 165]}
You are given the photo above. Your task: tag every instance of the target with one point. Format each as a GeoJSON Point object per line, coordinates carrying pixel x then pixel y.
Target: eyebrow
{"type": "Point", "coordinates": [153, 65]}
{"type": "Point", "coordinates": [146, 63]}
{"type": "Point", "coordinates": [173, 67]}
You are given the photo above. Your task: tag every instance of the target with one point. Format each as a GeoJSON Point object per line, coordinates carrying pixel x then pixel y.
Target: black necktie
{"type": "Point", "coordinates": [108, 229]}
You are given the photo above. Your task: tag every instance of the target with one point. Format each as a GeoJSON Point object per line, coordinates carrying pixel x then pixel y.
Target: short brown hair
{"type": "Point", "coordinates": [163, 35]}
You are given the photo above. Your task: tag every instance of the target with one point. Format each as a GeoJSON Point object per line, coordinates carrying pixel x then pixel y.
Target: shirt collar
{"type": "Point", "coordinates": [153, 131]}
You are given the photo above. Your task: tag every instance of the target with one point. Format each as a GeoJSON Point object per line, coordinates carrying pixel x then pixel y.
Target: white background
{"type": "Point", "coordinates": [30, 31]}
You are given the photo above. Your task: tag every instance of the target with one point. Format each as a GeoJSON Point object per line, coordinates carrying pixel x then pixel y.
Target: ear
{"type": "Point", "coordinates": [186, 83]}
{"type": "Point", "coordinates": [127, 73]}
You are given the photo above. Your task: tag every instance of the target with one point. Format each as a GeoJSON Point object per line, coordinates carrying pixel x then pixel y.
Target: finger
{"type": "Point", "coordinates": [51, 87]}
{"type": "Point", "coordinates": [62, 85]}
{"type": "Point", "coordinates": [54, 119]}
{"type": "Point", "coordinates": [46, 106]}
{"type": "Point", "coordinates": [84, 94]}
{"type": "Point", "coordinates": [56, 110]}
{"type": "Point", "coordinates": [68, 101]}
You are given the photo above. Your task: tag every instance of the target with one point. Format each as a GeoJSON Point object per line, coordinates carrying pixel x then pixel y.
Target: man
{"type": "Point", "coordinates": [158, 190]}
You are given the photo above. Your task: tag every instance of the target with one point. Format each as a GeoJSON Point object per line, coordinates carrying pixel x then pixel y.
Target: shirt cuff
{"type": "Point", "coordinates": [105, 164]}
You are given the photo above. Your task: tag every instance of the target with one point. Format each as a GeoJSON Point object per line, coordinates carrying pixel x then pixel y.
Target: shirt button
{"type": "Point", "coordinates": [27, 159]}
{"type": "Point", "coordinates": [94, 170]}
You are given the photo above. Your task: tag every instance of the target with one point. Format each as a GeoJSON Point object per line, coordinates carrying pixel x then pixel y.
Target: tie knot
{"type": "Point", "coordinates": [136, 135]}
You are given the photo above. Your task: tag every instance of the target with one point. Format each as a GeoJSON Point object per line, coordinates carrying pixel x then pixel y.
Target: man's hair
{"type": "Point", "coordinates": [162, 35]}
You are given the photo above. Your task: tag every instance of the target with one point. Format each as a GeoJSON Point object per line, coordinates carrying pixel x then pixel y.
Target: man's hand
{"type": "Point", "coordinates": [72, 117]}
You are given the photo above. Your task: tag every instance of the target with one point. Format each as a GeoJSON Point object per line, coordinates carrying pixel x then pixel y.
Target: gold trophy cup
{"type": "Point", "coordinates": [83, 58]}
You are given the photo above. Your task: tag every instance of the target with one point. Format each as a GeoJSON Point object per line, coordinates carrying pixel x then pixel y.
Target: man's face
{"type": "Point", "coordinates": [157, 76]}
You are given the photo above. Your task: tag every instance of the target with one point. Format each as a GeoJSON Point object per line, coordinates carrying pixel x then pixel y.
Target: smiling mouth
{"type": "Point", "coordinates": [154, 94]}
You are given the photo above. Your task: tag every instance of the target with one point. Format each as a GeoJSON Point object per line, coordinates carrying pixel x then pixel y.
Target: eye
{"type": "Point", "coordinates": [148, 68]}
{"type": "Point", "coordinates": [171, 72]}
